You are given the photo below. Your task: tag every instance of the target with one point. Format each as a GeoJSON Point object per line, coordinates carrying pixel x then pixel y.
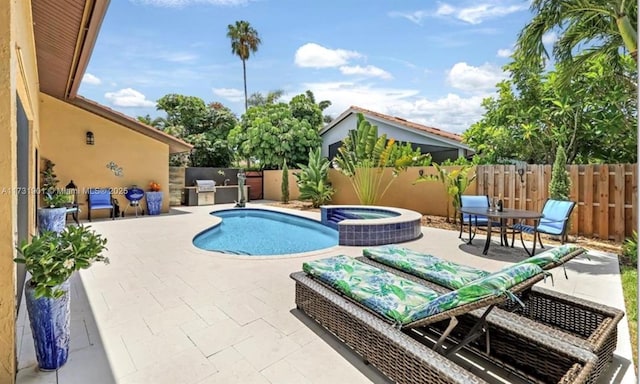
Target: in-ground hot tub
{"type": "Point", "coordinates": [362, 225]}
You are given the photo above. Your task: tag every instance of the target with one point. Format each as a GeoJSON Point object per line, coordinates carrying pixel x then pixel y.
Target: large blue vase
{"type": "Point", "coordinates": [52, 219]}
{"type": "Point", "coordinates": [50, 320]}
{"type": "Point", "coordinates": [154, 202]}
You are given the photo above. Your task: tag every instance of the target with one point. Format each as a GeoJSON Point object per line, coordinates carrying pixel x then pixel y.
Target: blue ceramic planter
{"type": "Point", "coordinates": [52, 219]}
{"type": "Point", "coordinates": [50, 322]}
{"type": "Point", "coordinates": [154, 202]}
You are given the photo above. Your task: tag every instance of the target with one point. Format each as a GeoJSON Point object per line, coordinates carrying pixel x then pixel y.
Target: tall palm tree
{"type": "Point", "coordinates": [602, 27]}
{"type": "Point", "coordinates": [244, 41]}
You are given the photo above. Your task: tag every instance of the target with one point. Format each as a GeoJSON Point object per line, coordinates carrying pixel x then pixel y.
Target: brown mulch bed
{"type": "Point", "coordinates": [441, 223]}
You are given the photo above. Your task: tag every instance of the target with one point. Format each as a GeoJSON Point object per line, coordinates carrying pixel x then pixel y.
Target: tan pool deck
{"type": "Point", "coordinates": [165, 311]}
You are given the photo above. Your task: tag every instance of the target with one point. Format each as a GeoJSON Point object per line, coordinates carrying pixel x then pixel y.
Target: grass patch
{"type": "Point", "coordinates": [629, 277]}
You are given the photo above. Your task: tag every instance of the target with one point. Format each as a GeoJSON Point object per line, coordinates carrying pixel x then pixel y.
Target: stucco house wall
{"type": "Point", "coordinates": [18, 78]}
{"type": "Point", "coordinates": [142, 159]}
{"type": "Point", "coordinates": [441, 147]}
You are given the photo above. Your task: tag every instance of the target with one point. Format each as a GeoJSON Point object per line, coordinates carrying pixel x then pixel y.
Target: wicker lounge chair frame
{"type": "Point", "coordinates": [582, 323]}
{"type": "Point", "coordinates": [402, 357]}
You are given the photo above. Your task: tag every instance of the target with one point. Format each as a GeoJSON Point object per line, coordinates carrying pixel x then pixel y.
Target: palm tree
{"type": "Point", "coordinates": [244, 41]}
{"type": "Point", "coordinates": [603, 27]}
{"type": "Point", "coordinates": [258, 99]}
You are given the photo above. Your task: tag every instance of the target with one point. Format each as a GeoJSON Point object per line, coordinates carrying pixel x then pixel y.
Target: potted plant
{"type": "Point", "coordinates": [51, 258]}
{"type": "Point", "coordinates": [154, 198]}
{"type": "Point", "coordinates": [52, 216]}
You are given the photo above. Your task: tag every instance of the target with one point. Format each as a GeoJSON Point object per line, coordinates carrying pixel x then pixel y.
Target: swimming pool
{"type": "Point", "coordinates": [249, 231]}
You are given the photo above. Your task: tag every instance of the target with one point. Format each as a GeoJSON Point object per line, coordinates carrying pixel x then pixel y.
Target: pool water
{"type": "Point", "coordinates": [247, 231]}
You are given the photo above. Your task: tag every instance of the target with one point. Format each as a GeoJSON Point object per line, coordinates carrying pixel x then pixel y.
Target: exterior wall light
{"type": "Point", "coordinates": [521, 173]}
{"type": "Point", "coordinates": [90, 138]}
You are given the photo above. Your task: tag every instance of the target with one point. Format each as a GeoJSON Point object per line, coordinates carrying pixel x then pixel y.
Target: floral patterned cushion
{"type": "Point", "coordinates": [553, 255]}
{"type": "Point", "coordinates": [442, 272]}
{"type": "Point", "coordinates": [402, 300]}
{"type": "Point", "coordinates": [389, 295]}
{"type": "Point", "coordinates": [496, 284]}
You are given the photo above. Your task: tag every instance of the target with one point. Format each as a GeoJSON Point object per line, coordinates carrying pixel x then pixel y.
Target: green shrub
{"type": "Point", "coordinates": [285, 183]}
{"type": "Point", "coordinates": [560, 184]}
{"type": "Point", "coordinates": [630, 249]}
{"type": "Point", "coordinates": [313, 179]}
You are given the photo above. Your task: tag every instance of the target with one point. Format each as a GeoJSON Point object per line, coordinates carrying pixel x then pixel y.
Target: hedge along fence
{"type": "Point", "coordinates": [606, 194]}
{"type": "Point", "coordinates": [428, 198]}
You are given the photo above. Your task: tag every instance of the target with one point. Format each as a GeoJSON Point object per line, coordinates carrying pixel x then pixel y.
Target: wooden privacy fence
{"type": "Point", "coordinates": [606, 194]}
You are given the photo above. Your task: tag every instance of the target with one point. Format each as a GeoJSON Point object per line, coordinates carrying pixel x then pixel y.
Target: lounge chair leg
{"type": "Point", "coordinates": [476, 331]}
{"type": "Point", "coordinates": [452, 324]}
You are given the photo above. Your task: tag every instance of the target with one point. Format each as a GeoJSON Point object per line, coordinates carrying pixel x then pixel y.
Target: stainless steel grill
{"type": "Point", "coordinates": [205, 189]}
{"type": "Point", "coordinates": [205, 186]}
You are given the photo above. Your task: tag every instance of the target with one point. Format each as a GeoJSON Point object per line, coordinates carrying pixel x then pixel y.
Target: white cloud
{"type": "Point", "coordinates": [478, 13]}
{"type": "Point", "coordinates": [128, 97]}
{"type": "Point", "coordinates": [474, 79]}
{"type": "Point", "coordinates": [316, 56]}
{"type": "Point", "coordinates": [549, 38]}
{"type": "Point", "coordinates": [231, 94]}
{"type": "Point", "coordinates": [452, 113]}
{"type": "Point", "coordinates": [91, 79]}
{"type": "Point", "coordinates": [186, 3]}
{"type": "Point", "coordinates": [178, 57]}
{"type": "Point", "coordinates": [369, 70]}
{"type": "Point", "coordinates": [506, 52]}
{"type": "Point", "coordinates": [415, 17]}
{"type": "Point", "coordinates": [445, 10]}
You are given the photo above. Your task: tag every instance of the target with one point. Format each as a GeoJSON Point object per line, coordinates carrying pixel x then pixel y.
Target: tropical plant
{"type": "Point", "coordinates": [51, 258]}
{"type": "Point", "coordinates": [630, 249]}
{"type": "Point", "coordinates": [244, 42]}
{"type": "Point", "coordinates": [204, 126]}
{"type": "Point", "coordinates": [258, 99]}
{"type": "Point", "coordinates": [284, 187]}
{"type": "Point", "coordinates": [49, 180]}
{"type": "Point", "coordinates": [595, 118]}
{"type": "Point", "coordinates": [454, 181]}
{"type": "Point", "coordinates": [313, 179]}
{"type": "Point", "coordinates": [363, 157]}
{"type": "Point", "coordinates": [560, 184]}
{"type": "Point", "coordinates": [587, 28]}
{"type": "Point", "coordinates": [272, 133]}
{"type": "Point", "coordinates": [51, 196]}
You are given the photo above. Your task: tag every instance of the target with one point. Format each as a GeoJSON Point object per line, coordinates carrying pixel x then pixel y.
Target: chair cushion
{"type": "Point", "coordinates": [552, 256]}
{"type": "Point", "coordinates": [389, 295]}
{"type": "Point", "coordinates": [495, 284]}
{"type": "Point", "coordinates": [475, 220]}
{"type": "Point", "coordinates": [100, 198]}
{"type": "Point", "coordinates": [431, 268]}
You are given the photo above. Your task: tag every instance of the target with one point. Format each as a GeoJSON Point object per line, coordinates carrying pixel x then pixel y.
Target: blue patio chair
{"type": "Point", "coordinates": [554, 221]}
{"type": "Point", "coordinates": [472, 201]}
{"type": "Point", "coordinates": [100, 198]}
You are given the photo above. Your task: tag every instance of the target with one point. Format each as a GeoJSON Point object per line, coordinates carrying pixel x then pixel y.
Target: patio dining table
{"type": "Point", "coordinates": [503, 217]}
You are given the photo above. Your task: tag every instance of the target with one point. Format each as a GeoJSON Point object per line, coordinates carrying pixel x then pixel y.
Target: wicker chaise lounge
{"type": "Point", "coordinates": [581, 323]}
{"type": "Point", "coordinates": [387, 334]}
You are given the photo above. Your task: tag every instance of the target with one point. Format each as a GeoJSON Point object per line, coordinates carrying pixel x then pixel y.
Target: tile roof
{"type": "Point", "coordinates": [406, 123]}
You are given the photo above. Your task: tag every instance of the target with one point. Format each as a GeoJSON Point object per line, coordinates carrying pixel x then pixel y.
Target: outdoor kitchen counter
{"type": "Point", "coordinates": [230, 194]}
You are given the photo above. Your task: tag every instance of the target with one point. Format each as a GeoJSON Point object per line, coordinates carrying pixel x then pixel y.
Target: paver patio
{"type": "Point", "coordinates": [165, 311]}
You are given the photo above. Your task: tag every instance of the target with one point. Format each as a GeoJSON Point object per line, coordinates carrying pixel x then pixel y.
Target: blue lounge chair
{"type": "Point", "coordinates": [554, 221]}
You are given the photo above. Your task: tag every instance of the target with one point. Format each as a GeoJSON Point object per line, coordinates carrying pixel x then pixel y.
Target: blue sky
{"type": "Point", "coordinates": [425, 61]}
